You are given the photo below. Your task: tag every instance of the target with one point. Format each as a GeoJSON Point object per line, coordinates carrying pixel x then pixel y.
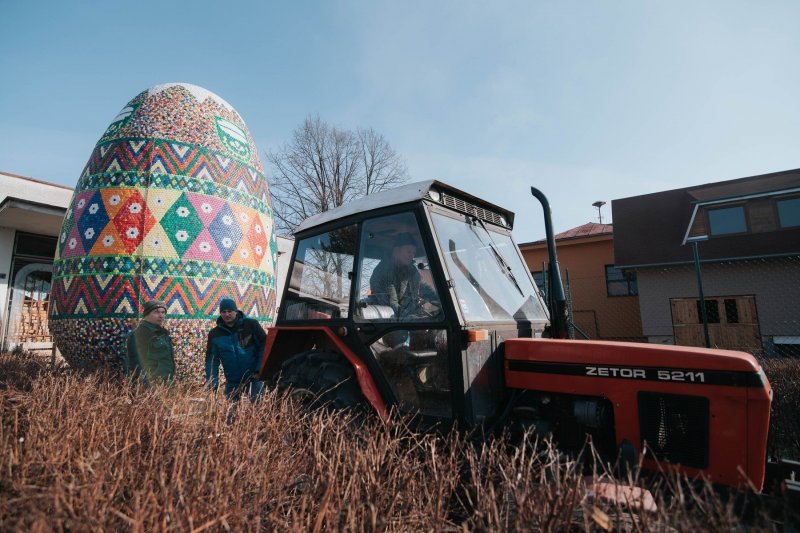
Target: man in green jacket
{"type": "Point", "coordinates": [149, 347]}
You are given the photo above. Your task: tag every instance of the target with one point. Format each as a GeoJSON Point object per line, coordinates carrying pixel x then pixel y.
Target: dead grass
{"type": "Point", "coordinates": [784, 376]}
{"type": "Point", "coordinates": [85, 452]}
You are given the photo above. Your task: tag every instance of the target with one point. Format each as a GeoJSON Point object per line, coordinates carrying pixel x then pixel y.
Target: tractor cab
{"type": "Point", "coordinates": [409, 292]}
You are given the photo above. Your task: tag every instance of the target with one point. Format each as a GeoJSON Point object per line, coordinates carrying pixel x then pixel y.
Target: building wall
{"type": "Point", "coordinates": [650, 229]}
{"type": "Point", "coordinates": [582, 262]}
{"type": "Point", "coordinates": [774, 282]}
{"type": "Point", "coordinates": [6, 252]}
{"type": "Point", "coordinates": [45, 204]}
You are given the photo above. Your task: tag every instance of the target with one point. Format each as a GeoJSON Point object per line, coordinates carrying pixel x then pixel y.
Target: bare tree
{"type": "Point", "coordinates": [324, 167]}
{"type": "Point", "coordinates": [383, 167]}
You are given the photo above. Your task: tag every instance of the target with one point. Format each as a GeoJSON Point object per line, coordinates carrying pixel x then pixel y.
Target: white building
{"type": "Point", "coordinates": [31, 212]}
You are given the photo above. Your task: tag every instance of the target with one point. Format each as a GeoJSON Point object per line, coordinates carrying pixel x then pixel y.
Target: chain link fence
{"type": "Point", "coordinates": [749, 305]}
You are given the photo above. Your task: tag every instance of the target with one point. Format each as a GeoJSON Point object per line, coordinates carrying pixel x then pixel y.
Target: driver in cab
{"type": "Point", "coordinates": [397, 283]}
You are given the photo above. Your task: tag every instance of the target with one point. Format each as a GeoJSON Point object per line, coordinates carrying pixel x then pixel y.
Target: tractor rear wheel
{"type": "Point", "coordinates": [322, 379]}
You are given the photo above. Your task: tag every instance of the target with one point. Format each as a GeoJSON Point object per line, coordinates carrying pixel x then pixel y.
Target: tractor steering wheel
{"type": "Point", "coordinates": [427, 309]}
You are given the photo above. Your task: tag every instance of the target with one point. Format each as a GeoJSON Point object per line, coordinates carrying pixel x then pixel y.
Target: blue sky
{"type": "Point", "coordinates": [585, 100]}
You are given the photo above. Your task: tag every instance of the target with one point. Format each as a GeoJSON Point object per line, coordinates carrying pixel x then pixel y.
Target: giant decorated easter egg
{"type": "Point", "coordinates": [173, 205]}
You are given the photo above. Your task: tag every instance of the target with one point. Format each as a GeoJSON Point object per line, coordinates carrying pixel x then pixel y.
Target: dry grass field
{"type": "Point", "coordinates": [85, 453]}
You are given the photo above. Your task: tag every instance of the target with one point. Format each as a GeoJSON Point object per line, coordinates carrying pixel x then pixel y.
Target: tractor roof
{"type": "Point", "coordinates": [413, 192]}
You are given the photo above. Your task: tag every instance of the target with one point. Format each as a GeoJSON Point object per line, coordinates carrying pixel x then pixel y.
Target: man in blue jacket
{"type": "Point", "coordinates": [238, 343]}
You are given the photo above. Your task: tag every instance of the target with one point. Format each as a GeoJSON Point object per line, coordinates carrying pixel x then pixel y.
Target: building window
{"type": "Point", "coordinates": [621, 282]}
{"type": "Point", "coordinates": [731, 311]}
{"type": "Point", "coordinates": [727, 220]}
{"type": "Point", "coordinates": [538, 278]}
{"type": "Point", "coordinates": [35, 245]}
{"type": "Point", "coordinates": [29, 297]}
{"type": "Point", "coordinates": [789, 212]}
{"type": "Point", "coordinates": [712, 311]}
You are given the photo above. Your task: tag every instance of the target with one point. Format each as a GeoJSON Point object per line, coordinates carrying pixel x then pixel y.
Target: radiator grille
{"type": "Point", "coordinates": [471, 209]}
{"type": "Point", "coordinates": [675, 427]}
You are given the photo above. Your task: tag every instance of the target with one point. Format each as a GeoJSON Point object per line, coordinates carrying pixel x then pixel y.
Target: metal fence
{"type": "Point", "coordinates": [751, 305]}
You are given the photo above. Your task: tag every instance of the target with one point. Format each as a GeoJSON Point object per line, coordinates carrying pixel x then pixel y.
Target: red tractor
{"type": "Point", "coordinates": [418, 298]}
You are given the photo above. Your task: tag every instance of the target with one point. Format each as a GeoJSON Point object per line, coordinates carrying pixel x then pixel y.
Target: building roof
{"type": "Point", "coordinates": [651, 229]}
{"type": "Point", "coordinates": [32, 205]}
{"type": "Point", "coordinates": [34, 180]}
{"type": "Point", "coordinates": [590, 229]}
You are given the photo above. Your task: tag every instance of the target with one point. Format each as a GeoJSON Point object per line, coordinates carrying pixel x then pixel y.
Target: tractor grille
{"type": "Point", "coordinates": [471, 209]}
{"type": "Point", "coordinates": [675, 428]}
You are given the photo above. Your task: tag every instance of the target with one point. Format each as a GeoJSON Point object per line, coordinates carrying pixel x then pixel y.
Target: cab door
{"type": "Point", "coordinates": [399, 316]}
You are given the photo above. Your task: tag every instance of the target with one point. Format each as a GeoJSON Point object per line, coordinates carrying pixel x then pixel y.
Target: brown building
{"type": "Point", "coordinates": [602, 298]}
{"type": "Point", "coordinates": [747, 236]}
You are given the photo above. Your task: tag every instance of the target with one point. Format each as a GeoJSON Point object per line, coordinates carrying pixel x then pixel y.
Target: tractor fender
{"type": "Point", "coordinates": [285, 341]}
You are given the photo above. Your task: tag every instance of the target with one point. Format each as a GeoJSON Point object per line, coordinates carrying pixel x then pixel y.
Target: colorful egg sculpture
{"type": "Point", "coordinates": [173, 205]}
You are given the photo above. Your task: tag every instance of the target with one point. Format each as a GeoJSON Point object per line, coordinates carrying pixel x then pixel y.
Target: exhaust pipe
{"type": "Point", "coordinates": [556, 300]}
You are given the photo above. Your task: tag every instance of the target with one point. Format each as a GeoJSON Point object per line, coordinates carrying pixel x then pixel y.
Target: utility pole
{"type": "Point", "coordinates": [703, 311]}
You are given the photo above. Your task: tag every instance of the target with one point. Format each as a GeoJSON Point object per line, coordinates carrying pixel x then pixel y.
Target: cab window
{"type": "Point", "coordinates": [395, 282]}
{"type": "Point", "coordinates": [319, 283]}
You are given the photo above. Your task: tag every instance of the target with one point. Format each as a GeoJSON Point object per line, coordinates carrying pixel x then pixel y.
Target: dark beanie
{"type": "Point", "coordinates": [151, 306]}
{"type": "Point", "coordinates": [227, 304]}
{"type": "Point", "coordinates": [403, 239]}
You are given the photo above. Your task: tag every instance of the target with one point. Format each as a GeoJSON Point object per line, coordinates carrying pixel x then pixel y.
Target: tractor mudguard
{"type": "Point", "coordinates": [285, 341]}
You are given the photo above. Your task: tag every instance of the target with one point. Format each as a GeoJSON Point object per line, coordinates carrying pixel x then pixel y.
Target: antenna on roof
{"type": "Point", "coordinates": [598, 204]}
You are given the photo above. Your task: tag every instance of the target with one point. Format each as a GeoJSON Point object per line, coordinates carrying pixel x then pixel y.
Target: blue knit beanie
{"type": "Point", "coordinates": [227, 304]}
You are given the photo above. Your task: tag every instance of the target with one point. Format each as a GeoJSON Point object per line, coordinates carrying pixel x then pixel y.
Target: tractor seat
{"type": "Point", "coordinates": [376, 312]}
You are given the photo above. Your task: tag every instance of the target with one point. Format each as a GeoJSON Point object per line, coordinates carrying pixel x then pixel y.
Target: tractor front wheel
{"type": "Point", "coordinates": [322, 379]}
